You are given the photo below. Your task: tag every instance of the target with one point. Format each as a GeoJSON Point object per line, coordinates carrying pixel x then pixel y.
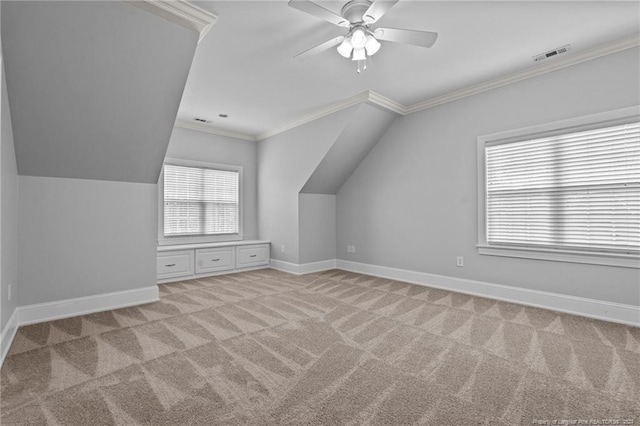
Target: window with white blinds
{"type": "Point", "coordinates": [200, 201]}
{"type": "Point", "coordinates": [577, 191]}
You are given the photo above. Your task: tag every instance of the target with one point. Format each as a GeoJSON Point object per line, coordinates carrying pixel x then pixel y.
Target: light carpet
{"type": "Point", "coordinates": [265, 347]}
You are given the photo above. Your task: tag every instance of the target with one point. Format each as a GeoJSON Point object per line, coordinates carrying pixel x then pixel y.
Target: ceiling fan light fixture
{"type": "Point", "coordinates": [372, 45]}
{"type": "Point", "coordinates": [345, 48]}
{"type": "Point", "coordinates": [358, 38]}
{"type": "Point", "coordinates": [359, 54]}
{"type": "Point", "coordinates": [361, 41]}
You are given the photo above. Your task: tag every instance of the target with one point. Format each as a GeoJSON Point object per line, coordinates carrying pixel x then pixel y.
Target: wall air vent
{"type": "Point", "coordinates": [552, 53]}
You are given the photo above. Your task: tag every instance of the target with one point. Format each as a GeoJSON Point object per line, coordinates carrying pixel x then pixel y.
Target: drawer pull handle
{"type": "Point", "coordinates": [253, 255]}
{"type": "Point", "coordinates": [170, 265]}
{"type": "Point", "coordinates": [214, 260]}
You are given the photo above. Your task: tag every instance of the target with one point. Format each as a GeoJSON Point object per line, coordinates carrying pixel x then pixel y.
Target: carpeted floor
{"type": "Point", "coordinates": [265, 347]}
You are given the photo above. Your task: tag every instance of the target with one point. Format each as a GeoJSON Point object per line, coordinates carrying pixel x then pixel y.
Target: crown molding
{"type": "Point", "coordinates": [559, 63]}
{"type": "Point", "coordinates": [319, 113]}
{"type": "Point", "coordinates": [386, 103]}
{"type": "Point", "coordinates": [213, 130]}
{"type": "Point", "coordinates": [180, 12]}
{"type": "Point", "coordinates": [368, 96]}
{"type": "Point", "coordinates": [375, 98]}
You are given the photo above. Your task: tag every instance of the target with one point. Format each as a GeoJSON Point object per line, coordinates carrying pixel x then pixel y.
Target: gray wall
{"type": "Point", "coordinates": [84, 237]}
{"type": "Point", "coordinates": [317, 226]}
{"type": "Point", "coordinates": [285, 163]}
{"type": "Point", "coordinates": [94, 87]}
{"type": "Point", "coordinates": [411, 204]}
{"type": "Point", "coordinates": [366, 126]}
{"type": "Point", "coordinates": [8, 214]}
{"type": "Point", "coordinates": [198, 146]}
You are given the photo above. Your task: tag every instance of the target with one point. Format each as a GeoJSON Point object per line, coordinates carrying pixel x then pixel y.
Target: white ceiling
{"type": "Point", "coordinates": [244, 67]}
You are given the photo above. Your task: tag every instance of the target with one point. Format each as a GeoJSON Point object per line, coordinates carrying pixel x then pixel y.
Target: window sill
{"type": "Point", "coordinates": [608, 259]}
{"type": "Point", "coordinates": [174, 247]}
{"type": "Point", "coordinates": [174, 241]}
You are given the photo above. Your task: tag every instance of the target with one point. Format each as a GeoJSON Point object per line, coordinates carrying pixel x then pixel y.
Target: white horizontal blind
{"type": "Point", "coordinates": [576, 191]}
{"type": "Point", "coordinates": [200, 201]}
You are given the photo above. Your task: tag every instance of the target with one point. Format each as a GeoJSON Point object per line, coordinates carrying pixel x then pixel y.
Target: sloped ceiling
{"type": "Point", "coordinates": [362, 132]}
{"type": "Point", "coordinates": [245, 67]}
{"type": "Point", "coordinates": [94, 87]}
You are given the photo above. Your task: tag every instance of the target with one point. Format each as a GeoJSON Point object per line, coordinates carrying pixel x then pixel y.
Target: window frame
{"type": "Point", "coordinates": [163, 240]}
{"type": "Point", "coordinates": [583, 123]}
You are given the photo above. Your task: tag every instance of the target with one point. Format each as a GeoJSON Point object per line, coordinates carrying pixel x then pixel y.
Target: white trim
{"type": "Point", "coordinates": [177, 240]}
{"type": "Point", "coordinates": [7, 335]}
{"type": "Point", "coordinates": [319, 113]}
{"type": "Point", "coordinates": [323, 265]}
{"type": "Point", "coordinates": [207, 128]}
{"type": "Point", "coordinates": [181, 12]}
{"type": "Point", "coordinates": [367, 96]}
{"type": "Point", "coordinates": [591, 308]}
{"type": "Point", "coordinates": [41, 312]}
{"type": "Point", "coordinates": [386, 103]}
{"type": "Point", "coordinates": [210, 245]}
{"type": "Point", "coordinates": [302, 268]}
{"type": "Point", "coordinates": [559, 63]}
{"type": "Point", "coordinates": [607, 259]}
{"type": "Point", "coordinates": [605, 118]}
{"type": "Point", "coordinates": [398, 108]}
{"type": "Point", "coordinates": [575, 124]}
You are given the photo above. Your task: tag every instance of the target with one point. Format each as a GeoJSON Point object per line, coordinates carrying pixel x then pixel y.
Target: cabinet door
{"type": "Point", "coordinates": [215, 259]}
{"type": "Point", "coordinates": [249, 256]}
{"type": "Point", "coordinates": [174, 264]}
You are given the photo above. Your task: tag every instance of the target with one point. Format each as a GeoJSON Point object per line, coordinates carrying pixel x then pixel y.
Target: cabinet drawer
{"type": "Point", "coordinates": [175, 264]}
{"type": "Point", "coordinates": [210, 260]}
{"type": "Point", "coordinates": [247, 256]}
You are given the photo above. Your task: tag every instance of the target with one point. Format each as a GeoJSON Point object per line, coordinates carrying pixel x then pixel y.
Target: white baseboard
{"type": "Point", "coordinates": [598, 309]}
{"type": "Point", "coordinates": [302, 268]}
{"type": "Point", "coordinates": [7, 334]}
{"type": "Point", "coordinates": [59, 309]}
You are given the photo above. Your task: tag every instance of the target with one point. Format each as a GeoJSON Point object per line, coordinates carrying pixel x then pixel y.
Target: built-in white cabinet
{"type": "Point", "coordinates": [248, 256]}
{"type": "Point", "coordinates": [181, 262]}
{"type": "Point", "coordinates": [215, 259]}
{"type": "Point", "coordinates": [175, 264]}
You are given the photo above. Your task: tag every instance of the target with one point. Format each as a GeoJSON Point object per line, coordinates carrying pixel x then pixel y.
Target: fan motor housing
{"type": "Point", "coordinates": [354, 10]}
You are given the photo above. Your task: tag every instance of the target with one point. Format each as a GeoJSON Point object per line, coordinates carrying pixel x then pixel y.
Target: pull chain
{"type": "Point", "coordinates": [362, 65]}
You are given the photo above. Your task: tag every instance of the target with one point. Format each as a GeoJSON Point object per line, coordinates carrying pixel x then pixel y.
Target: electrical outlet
{"type": "Point", "coordinates": [351, 249]}
{"type": "Point", "coordinates": [282, 248]}
{"type": "Point", "coordinates": [460, 261]}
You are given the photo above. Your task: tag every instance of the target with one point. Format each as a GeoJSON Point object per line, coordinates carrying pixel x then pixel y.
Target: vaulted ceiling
{"type": "Point", "coordinates": [95, 87]}
{"type": "Point", "coordinates": [245, 68]}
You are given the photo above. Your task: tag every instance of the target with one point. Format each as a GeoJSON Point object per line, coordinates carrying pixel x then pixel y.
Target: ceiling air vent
{"type": "Point", "coordinates": [552, 53]}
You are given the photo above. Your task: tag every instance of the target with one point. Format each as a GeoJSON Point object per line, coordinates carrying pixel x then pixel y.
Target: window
{"type": "Point", "coordinates": [572, 188]}
{"type": "Point", "coordinates": [200, 202]}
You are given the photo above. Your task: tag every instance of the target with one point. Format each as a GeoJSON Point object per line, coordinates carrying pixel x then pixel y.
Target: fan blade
{"type": "Point", "coordinates": [320, 12]}
{"type": "Point", "coordinates": [377, 10]}
{"type": "Point", "coordinates": [320, 48]}
{"type": "Point", "coordinates": [418, 38]}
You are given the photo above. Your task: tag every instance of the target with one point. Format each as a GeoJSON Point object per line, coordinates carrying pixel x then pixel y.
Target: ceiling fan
{"type": "Point", "coordinates": [361, 41]}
